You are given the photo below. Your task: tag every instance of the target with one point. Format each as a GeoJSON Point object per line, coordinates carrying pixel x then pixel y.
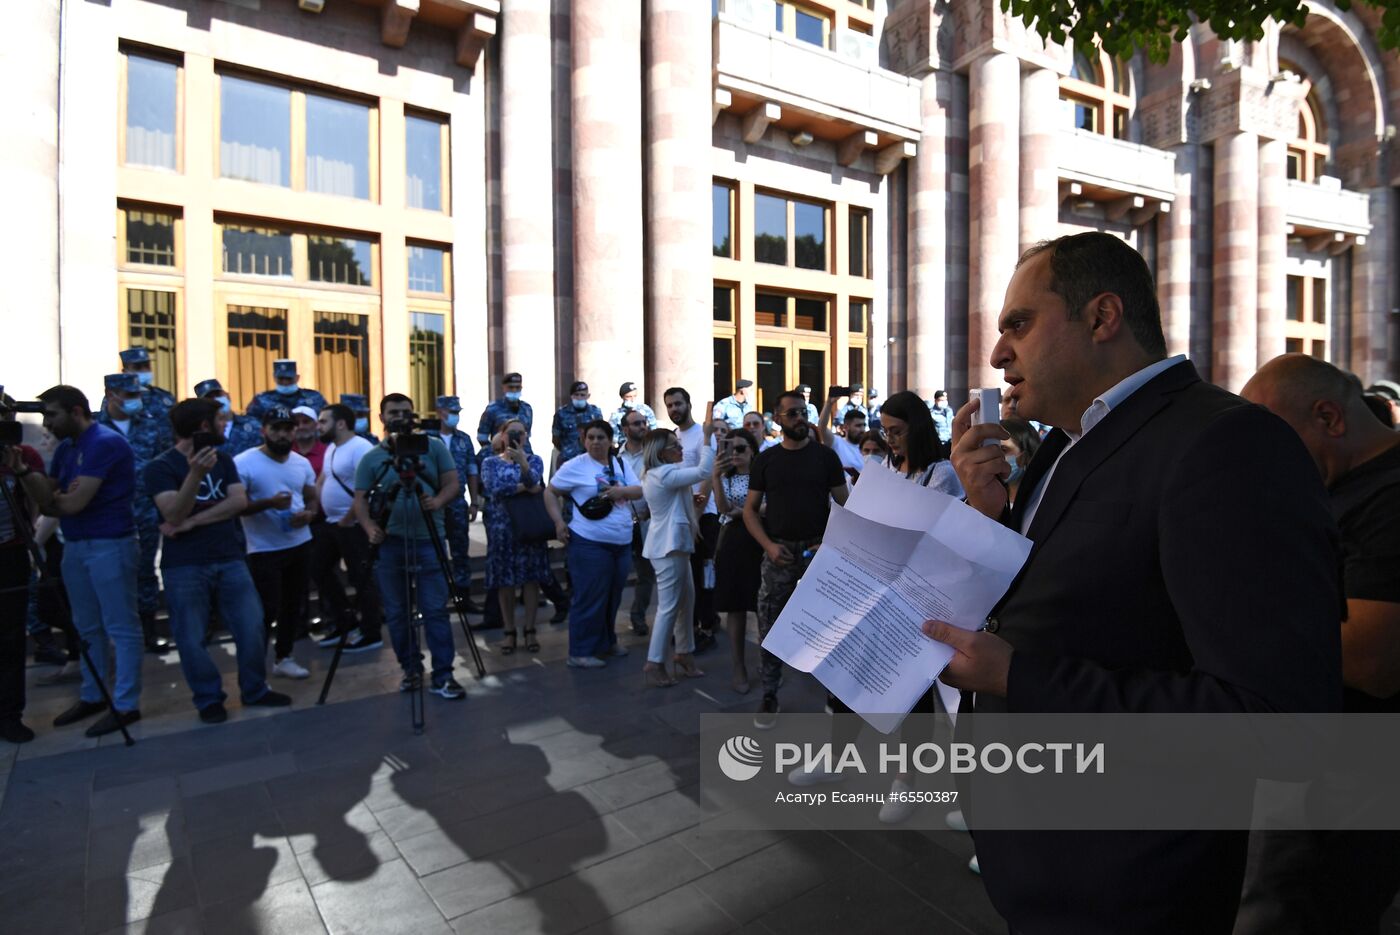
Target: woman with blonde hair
{"type": "Point", "coordinates": [671, 539]}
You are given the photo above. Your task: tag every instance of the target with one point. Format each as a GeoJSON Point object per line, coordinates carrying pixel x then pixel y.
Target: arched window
{"type": "Point", "coordinates": [1308, 152]}
{"type": "Point", "coordinates": [1100, 89]}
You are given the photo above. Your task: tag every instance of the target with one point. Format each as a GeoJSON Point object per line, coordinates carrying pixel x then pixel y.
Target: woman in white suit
{"type": "Point", "coordinates": [667, 485]}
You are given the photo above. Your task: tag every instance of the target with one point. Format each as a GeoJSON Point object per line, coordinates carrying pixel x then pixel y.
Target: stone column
{"type": "Point", "coordinates": [1375, 343]}
{"type": "Point", "coordinates": [994, 188]}
{"type": "Point", "coordinates": [1040, 202]}
{"type": "Point", "coordinates": [1234, 344]}
{"type": "Point", "coordinates": [678, 278]}
{"type": "Point", "coordinates": [527, 217]}
{"type": "Point", "coordinates": [928, 257]}
{"type": "Point", "coordinates": [1174, 256]}
{"type": "Point", "coordinates": [607, 164]}
{"type": "Point", "coordinates": [1273, 249]}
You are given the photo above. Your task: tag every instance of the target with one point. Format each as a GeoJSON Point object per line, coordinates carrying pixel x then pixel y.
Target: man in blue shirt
{"type": "Point", "coordinates": [569, 419]}
{"type": "Point", "coordinates": [732, 409]}
{"type": "Point", "coordinates": [509, 406]}
{"type": "Point", "coordinates": [459, 512]}
{"type": "Point", "coordinates": [241, 432]}
{"type": "Point", "coordinates": [154, 400]}
{"type": "Point", "coordinates": [91, 483]}
{"type": "Point", "coordinates": [123, 409]}
{"type": "Point", "coordinates": [200, 495]}
{"type": "Point", "coordinates": [286, 393]}
{"type": "Point", "coordinates": [630, 403]}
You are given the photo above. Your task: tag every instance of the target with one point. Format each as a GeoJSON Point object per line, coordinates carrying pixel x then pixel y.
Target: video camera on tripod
{"type": "Point", "coordinates": [12, 432]}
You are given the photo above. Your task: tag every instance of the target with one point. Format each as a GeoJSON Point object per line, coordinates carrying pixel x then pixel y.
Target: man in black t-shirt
{"type": "Point", "coordinates": [1339, 881]}
{"type": "Point", "coordinates": [199, 496]}
{"type": "Point", "coordinates": [799, 478]}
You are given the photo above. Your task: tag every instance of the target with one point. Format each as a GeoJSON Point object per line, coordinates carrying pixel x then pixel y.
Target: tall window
{"type": "Point", "coordinates": [152, 93]}
{"type": "Point", "coordinates": [149, 237]}
{"type": "Point", "coordinates": [427, 357]}
{"type": "Point", "coordinates": [722, 219]}
{"type": "Point", "coordinates": [257, 251]}
{"type": "Point", "coordinates": [339, 260]}
{"type": "Point", "coordinates": [337, 147]}
{"type": "Point", "coordinates": [150, 323]}
{"type": "Point", "coordinates": [342, 353]}
{"type": "Point", "coordinates": [427, 269]}
{"type": "Point", "coordinates": [775, 216]}
{"type": "Point", "coordinates": [1305, 330]}
{"type": "Point", "coordinates": [1100, 89]}
{"type": "Point", "coordinates": [256, 337]}
{"type": "Point", "coordinates": [859, 242]}
{"type": "Point", "coordinates": [425, 144]}
{"type": "Point", "coordinates": [803, 23]}
{"type": "Point", "coordinates": [255, 131]}
{"type": "Point", "coordinates": [1308, 152]}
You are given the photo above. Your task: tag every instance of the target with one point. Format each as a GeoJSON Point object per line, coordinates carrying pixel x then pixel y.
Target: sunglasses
{"type": "Point", "coordinates": [738, 448]}
{"type": "Point", "coordinates": [790, 413]}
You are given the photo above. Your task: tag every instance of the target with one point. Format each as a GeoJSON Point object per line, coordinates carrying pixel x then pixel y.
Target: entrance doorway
{"type": "Point", "coordinates": [782, 365]}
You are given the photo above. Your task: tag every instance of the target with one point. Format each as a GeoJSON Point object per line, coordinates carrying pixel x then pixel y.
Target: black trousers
{"type": "Point", "coordinates": [331, 602]}
{"type": "Point", "coordinates": [350, 545]}
{"type": "Point", "coordinates": [14, 605]}
{"type": "Point", "coordinates": [705, 617]}
{"type": "Point", "coordinates": [281, 580]}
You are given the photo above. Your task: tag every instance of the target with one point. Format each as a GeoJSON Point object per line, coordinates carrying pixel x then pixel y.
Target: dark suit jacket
{"type": "Point", "coordinates": [1184, 561]}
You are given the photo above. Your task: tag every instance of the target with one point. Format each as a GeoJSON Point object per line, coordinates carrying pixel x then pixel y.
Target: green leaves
{"type": "Point", "coordinates": [1124, 26]}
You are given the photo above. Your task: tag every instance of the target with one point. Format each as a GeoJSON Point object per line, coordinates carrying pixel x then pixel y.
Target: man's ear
{"type": "Point", "coordinates": [1330, 418]}
{"type": "Point", "coordinates": [1105, 314]}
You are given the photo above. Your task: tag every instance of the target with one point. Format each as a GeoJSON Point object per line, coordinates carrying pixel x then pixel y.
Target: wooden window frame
{"type": "Point", "coordinates": [728, 186]}
{"type": "Point", "coordinates": [446, 293]}
{"type": "Point", "coordinates": [790, 201]}
{"type": "Point", "coordinates": [444, 157]}
{"type": "Point", "coordinates": [1310, 330]}
{"type": "Point", "coordinates": [1103, 95]}
{"type": "Point", "coordinates": [179, 233]}
{"type": "Point", "coordinates": [789, 10]}
{"type": "Point", "coordinates": [1309, 146]}
{"type": "Point", "coordinates": [154, 282]}
{"type": "Point", "coordinates": [301, 263]}
{"type": "Point", "coordinates": [442, 307]}
{"type": "Point", "coordinates": [123, 87]}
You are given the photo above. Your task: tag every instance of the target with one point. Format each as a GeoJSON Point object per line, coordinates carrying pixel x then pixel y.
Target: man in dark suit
{"type": "Point", "coordinates": [1184, 560]}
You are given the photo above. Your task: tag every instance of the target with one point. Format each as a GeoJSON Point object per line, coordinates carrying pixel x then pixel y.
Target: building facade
{"type": "Point", "coordinates": [422, 195]}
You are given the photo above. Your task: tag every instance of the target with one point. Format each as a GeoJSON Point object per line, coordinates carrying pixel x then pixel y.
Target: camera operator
{"type": "Point", "coordinates": [14, 580]}
{"type": "Point", "coordinates": [345, 540]}
{"type": "Point", "coordinates": [410, 486]}
{"type": "Point", "coordinates": [200, 495]}
{"type": "Point", "coordinates": [90, 488]}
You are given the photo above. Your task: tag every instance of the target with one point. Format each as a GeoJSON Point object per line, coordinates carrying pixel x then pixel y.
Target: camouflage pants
{"type": "Point", "coordinates": [776, 584]}
{"type": "Point", "coordinates": [458, 524]}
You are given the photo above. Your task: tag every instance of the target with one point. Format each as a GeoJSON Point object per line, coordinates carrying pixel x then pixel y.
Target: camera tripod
{"type": "Point", "coordinates": [25, 529]}
{"type": "Point", "coordinates": [407, 469]}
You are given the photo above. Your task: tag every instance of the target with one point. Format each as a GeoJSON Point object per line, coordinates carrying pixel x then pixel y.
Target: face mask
{"type": "Point", "coordinates": [362, 425]}
{"type": "Point", "coordinates": [450, 420]}
{"type": "Point", "coordinates": [580, 404]}
{"type": "Point", "coordinates": [874, 459]}
{"type": "Point", "coordinates": [278, 448]}
{"type": "Point", "coordinates": [145, 377]}
{"type": "Point", "coordinates": [287, 390]}
{"type": "Point", "coordinates": [224, 404]}
{"type": "Point", "coordinates": [131, 406]}
{"type": "Point", "coordinates": [1016, 472]}
{"type": "Point", "coordinates": [513, 397]}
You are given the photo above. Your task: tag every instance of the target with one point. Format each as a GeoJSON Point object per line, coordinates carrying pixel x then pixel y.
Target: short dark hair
{"type": "Point", "coordinates": [938, 393]}
{"type": "Point", "coordinates": [341, 413]}
{"type": "Point", "coordinates": [677, 390]}
{"type": "Point", "coordinates": [69, 397]}
{"type": "Point", "coordinates": [1085, 265]}
{"type": "Point", "coordinates": [852, 414]}
{"type": "Point", "coordinates": [602, 425]}
{"type": "Point", "coordinates": [190, 415]}
{"type": "Point", "coordinates": [394, 398]}
{"type": "Point", "coordinates": [788, 394]}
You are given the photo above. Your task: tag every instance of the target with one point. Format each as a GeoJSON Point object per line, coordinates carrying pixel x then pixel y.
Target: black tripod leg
{"type": "Point", "coordinates": [457, 599]}
{"type": "Point", "coordinates": [102, 686]}
{"type": "Point", "coordinates": [335, 664]}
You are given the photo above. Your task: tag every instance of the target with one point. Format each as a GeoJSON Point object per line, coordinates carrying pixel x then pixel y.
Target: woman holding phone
{"type": "Point", "coordinates": [738, 557]}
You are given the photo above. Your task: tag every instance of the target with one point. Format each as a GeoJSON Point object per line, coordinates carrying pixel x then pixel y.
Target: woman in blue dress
{"type": "Point", "coordinates": [506, 472]}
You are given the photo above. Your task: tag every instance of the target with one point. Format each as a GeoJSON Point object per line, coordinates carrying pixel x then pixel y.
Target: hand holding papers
{"type": "Point", "coordinates": [898, 555]}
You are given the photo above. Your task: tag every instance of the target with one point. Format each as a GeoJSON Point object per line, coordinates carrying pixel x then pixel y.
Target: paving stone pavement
{"type": "Point", "coordinates": [552, 800]}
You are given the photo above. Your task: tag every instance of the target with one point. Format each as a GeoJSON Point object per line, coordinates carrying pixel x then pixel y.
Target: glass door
{"type": "Point", "coordinates": [772, 377]}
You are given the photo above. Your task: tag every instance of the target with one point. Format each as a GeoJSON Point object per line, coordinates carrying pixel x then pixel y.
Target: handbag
{"type": "Point", "coordinates": [597, 506]}
{"type": "Point", "coordinates": [529, 519]}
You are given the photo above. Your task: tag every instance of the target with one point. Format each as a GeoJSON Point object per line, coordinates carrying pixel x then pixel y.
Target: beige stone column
{"type": "Point", "coordinates": [205, 331]}
{"type": "Point", "coordinates": [678, 93]}
{"type": "Point", "coordinates": [1040, 202]}
{"type": "Point", "coordinates": [1273, 249]}
{"type": "Point", "coordinates": [1235, 300]}
{"type": "Point", "coordinates": [607, 164]}
{"type": "Point", "coordinates": [1174, 256]}
{"type": "Point", "coordinates": [527, 216]}
{"type": "Point", "coordinates": [994, 188]}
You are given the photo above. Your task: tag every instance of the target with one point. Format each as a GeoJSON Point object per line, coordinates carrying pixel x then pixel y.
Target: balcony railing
{"type": "Point", "coordinates": [1328, 208]}
{"type": "Point", "coordinates": [1131, 168]}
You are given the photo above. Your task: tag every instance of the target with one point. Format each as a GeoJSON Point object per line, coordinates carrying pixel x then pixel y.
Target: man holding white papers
{"type": "Point", "coordinates": [1164, 577]}
{"type": "Point", "coordinates": [800, 478]}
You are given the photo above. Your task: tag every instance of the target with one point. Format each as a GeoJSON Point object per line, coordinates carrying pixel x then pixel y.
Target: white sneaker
{"type": "Point", "coordinates": [800, 776]}
{"type": "Point", "coordinates": [586, 662]}
{"type": "Point", "coordinates": [288, 669]}
{"type": "Point", "coordinates": [894, 811]}
{"type": "Point", "coordinates": [974, 866]}
{"type": "Point", "coordinates": [955, 820]}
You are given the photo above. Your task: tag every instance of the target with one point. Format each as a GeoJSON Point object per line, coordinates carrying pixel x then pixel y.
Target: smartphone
{"type": "Point", "coordinates": [204, 440]}
{"type": "Point", "coordinates": [726, 445]}
{"type": "Point", "coordinates": [837, 392]}
{"type": "Point", "coordinates": [988, 411]}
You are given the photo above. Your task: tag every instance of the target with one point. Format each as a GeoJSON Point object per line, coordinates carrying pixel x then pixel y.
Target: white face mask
{"type": "Point", "coordinates": [873, 460]}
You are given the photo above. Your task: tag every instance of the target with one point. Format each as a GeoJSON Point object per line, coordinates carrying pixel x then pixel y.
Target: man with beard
{"type": "Point", "coordinates": [635, 426]}
{"type": "Point", "coordinates": [800, 479]}
{"type": "Point", "coordinates": [344, 539]}
{"type": "Point", "coordinates": [846, 442]}
{"type": "Point", "coordinates": [692, 436]}
{"type": "Point", "coordinates": [281, 490]}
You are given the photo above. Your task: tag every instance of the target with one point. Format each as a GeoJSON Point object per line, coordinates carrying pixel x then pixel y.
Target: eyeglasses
{"type": "Point", "coordinates": [738, 448]}
{"type": "Point", "coordinates": [790, 413]}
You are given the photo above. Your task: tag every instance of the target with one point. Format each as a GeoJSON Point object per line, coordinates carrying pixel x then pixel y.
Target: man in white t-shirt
{"type": "Point", "coordinates": [281, 490]}
{"type": "Point", "coordinates": [692, 437]}
{"type": "Point", "coordinates": [846, 443]}
{"type": "Point", "coordinates": [344, 540]}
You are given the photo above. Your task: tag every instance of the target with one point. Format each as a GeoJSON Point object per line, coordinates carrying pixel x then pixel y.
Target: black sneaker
{"type": "Point", "coordinates": [214, 713]}
{"type": "Point", "coordinates": [767, 716]}
{"type": "Point", "coordinates": [411, 683]}
{"type": "Point", "coordinates": [112, 722]}
{"type": "Point", "coordinates": [271, 699]}
{"type": "Point", "coordinates": [79, 711]}
{"type": "Point", "coordinates": [640, 627]}
{"type": "Point", "coordinates": [14, 731]}
{"type": "Point", "coordinates": [448, 688]}
{"type": "Point", "coordinates": [361, 645]}
{"type": "Point", "coordinates": [704, 639]}
{"type": "Point", "coordinates": [47, 654]}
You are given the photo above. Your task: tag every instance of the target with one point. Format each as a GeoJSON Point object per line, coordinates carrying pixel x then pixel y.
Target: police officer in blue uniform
{"type": "Point", "coordinates": [358, 403]}
{"type": "Point", "coordinates": [628, 392]}
{"type": "Point", "coordinates": [285, 394]}
{"type": "Point", "coordinates": [854, 401]}
{"type": "Point", "coordinates": [509, 406]}
{"type": "Point", "coordinates": [241, 432]}
{"type": "Point", "coordinates": [568, 420]}
{"type": "Point", "coordinates": [460, 513]}
{"type": "Point", "coordinates": [812, 414]}
{"type": "Point", "coordinates": [123, 410]}
{"type": "Point", "coordinates": [155, 401]}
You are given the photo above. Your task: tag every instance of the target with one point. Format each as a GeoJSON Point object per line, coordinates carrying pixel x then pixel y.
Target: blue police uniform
{"type": "Point", "coordinates": [458, 513]}
{"type": "Point", "coordinates": [358, 403]}
{"type": "Point", "coordinates": [497, 413]}
{"type": "Point", "coordinates": [244, 432]}
{"type": "Point", "coordinates": [567, 422]}
{"type": "Point", "coordinates": [149, 436]}
{"type": "Point", "coordinates": [731, 410]}
{"type": "Point", "coordinates": [155, 401]}
{"type": "Point", "coordinates": [619, 438]}
{"type": "Point", "coordinates": [275, 399]}
{"type": "Point", "coordinates": [841, 413]}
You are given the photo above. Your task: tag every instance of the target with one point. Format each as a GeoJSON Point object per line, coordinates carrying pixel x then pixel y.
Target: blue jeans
{"type": "Point", "coordinates": [431, 602]}
{"type": "Point", "coordinates": [100, 577]}
{"type": "Point", "coordinates": [599, 572]}
{"type": "Point", "coordinates": [190, 591]}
